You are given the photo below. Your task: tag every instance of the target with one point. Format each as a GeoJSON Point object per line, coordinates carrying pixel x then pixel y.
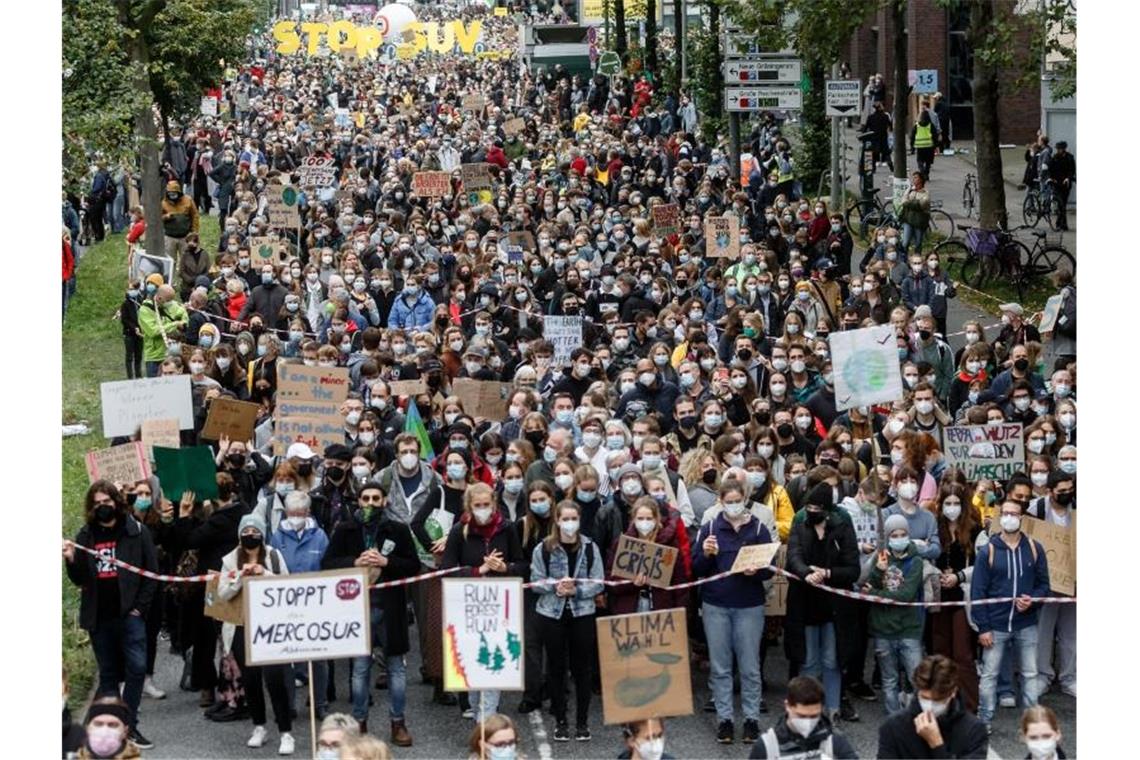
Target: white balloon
{"type": "Point", "coordinates": [393, 19]}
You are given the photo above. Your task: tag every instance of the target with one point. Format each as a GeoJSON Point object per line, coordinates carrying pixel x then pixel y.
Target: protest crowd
{"type": "Point", "coordinates": [475, 321]}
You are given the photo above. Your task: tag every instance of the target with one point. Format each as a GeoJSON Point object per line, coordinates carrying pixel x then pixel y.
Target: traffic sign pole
{"type": "Point", "coordinates": [834, 201]}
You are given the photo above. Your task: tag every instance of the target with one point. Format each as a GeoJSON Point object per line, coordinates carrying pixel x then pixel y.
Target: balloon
{"type": "Point", "coordinates": [393, 19]}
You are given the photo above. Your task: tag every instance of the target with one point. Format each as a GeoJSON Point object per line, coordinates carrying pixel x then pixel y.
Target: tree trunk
{"type": "Point", "coordinates": [651, 39]}
{"type": "Point", "coordinates": [991, 184]}
{"type": "Point", "coordinates": [150, 174]}
{"type": "Point", "coordinates": [621, 42]}
{"type": "Point", "coordinates": [679, 44]}
{"type": "Point", "coordinates": [901, 88]}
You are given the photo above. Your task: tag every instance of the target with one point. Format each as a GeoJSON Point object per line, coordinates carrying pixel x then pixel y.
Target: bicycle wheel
{"type": "Point", "coordinates": [856, 214]}
{"type": "Point", "coordinates": [1053, 259]}
{"type": "Point", "coordinates": [968, 200]}
{"type": "Point", "coordinates": [976, 270]}
{"type": "Point", "coordinates": [1030, 213]}
{"type": "Point", "coordinates": [941, 224]}
{"type": "Point", "coordinates": [1013, 259]}
{"type": "Point", "coordinates": [952, 254]}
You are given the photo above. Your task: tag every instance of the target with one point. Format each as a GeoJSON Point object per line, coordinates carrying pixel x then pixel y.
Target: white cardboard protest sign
{"type": "Point", "coordinates": [565, 333]}
{"type": "Point", "coordinates": [306, 616]}
{"type": "Point", "coordinates": [127, 403]}
{"type": "Point", "coordinates": [482, 634]}
{"type": "Point", "coordinates": [866, 366]}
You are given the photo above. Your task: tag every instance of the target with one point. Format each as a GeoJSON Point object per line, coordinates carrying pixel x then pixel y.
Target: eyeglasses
{"type": "Point", "coordinates": [502, 745]}
{"type": "Point", "coordinates": [371, 499]}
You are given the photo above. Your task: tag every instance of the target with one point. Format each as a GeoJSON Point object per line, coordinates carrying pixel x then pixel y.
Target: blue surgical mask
{"type": "Point", "coordinates": [456, 471]}
{"type": "Point", "coordinates": [143, 503]}
{"type": "Point", "coordinates": [899, 544]}
{"type": "Point", "coordinates": [540, 508]}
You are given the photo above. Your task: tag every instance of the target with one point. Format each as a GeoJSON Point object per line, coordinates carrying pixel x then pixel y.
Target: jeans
{"type": "Point", "coordinates": [1005, 675]}
{"type": "Point", "coordinates": [487, 706]}
{"type": "Point", "coordinates": [734, 631]}
{"type": "Point", "coordinates": [361, 683]}
{"type": "Point", "coordinates": [1057, 634]}
{"type": "Point", "coordinates": [1025, 647]}
{"type": "Point", "coordinates": [152, 368]}
{"type": "Point", "coordinates": [891, 653]}
{"type": "Point", "coordinates": [821, 659]}
{"type": "Point", "coordinates": [120, 654]}
{"type": "Point", "coordinates": [911, 233]}
{"type": "Point", "coordinates": [574, 636]}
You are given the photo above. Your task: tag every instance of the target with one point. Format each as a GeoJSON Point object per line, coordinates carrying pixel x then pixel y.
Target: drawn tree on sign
{"type": "Point", "coordinates": [484, 656]}
{"type": "Point", "coordinates": [498, 660]}
{"type": "Point", "coordinates": [514, 647]}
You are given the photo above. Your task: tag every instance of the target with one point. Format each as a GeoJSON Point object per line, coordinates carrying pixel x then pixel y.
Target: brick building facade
{"type": "Point", "coordinates": [938, 41]}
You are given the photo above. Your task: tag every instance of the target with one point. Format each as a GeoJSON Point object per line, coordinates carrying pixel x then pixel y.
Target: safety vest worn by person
{"type": "Point", "coordinates": [923, 136]}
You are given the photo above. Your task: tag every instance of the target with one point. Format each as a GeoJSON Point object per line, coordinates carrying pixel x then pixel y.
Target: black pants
{"type": "Point", "coordinates": [133, 351]}
{"type": "Point", "coordinates": [202, 194]}
{"type": "Point", "coordinates": [95, 212]}
{"type": "Point", "coordinates": [532, 650]}
{"type": "Point", "coordinates": [925, 161]}
{"type": "Point", "coordinates": [272, 677]}
{"type": "Point", "coordinates": [882, 152]}
{"type": "Point", "coordinates": [153, 625]}
{"type": "Point", "coordinates": [200, 632]}
{"type": "Point", "coordinates": [856, 664]}
{"type": "Point", "coordinates": [1062, 192]}
{"type": "Point", "coordinates": [578, 636]}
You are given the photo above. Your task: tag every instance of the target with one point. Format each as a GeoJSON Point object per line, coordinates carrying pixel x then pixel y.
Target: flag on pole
{"type": "Point", "coordinates": [414, 424]}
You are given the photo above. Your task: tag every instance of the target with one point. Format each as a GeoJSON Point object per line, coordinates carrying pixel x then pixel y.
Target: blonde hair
{"type": "Point", "coordinates": [364, 747]}
{"type": "Point", "coordinates": [554, 538]}
{"type": "Point", "coordinates": [491, 725]}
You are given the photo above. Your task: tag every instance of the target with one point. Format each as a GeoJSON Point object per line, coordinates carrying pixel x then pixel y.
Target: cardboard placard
{"type": "Point", "coordinates": [634, 557]}
{"type": "Point", "coordinates": [514, 126]}
{"type": "Point", "coordinates": [473, 102]}
{"type": "Point", "coordinates": [408, 387]}
{"type": "Point", "coordinates": [523, 239]}
{"type": "Point", "coordinates": [118, 464]}
{"type": "Point", "coordinates": [190, 469]}
{"type": "Point", "coordinates": [208, 106]}
{"type": "Point", "coordinates": [475, 177]}
{"type": "Point", "coordinates": [481, 398]}
{"type": "Point", "coordinates": [316, 171]}
{"type": "Point", "coordinates": [985, 451]}
{"type": "Point", "coordinates": [777, 603]}
{"type": "Point", "coordinates": [1049, 314]}
{"type": "Point", "coordinates": [306, 616]}
{"type": "Point", "coordinates": [866, 366]}
{"type": "Point", "coordinates": [316, 432]}
{"type": "Point", "coordinates": [565, 333]}
{"type": "Point", "coordinates": [160, 433]}
{"type": "Point", "coordinates": [666, 219]}
{"type": "Point", "coordinates": [143, 265]}
{"type": "Point", "coordinates": [722, 237]}
{"type": "Point", "coordinates": [128, 403]}
{"type": "Point", "coordinates": [1060, 546]}
{"type": "Point", "coordinates": [230, 418]}
{"type": "Point", "coordinates": [482, 634]}
{"type": "Point", "coordinates": [297, 382]}
{"type": "Point", "coordinates": [757, 556]}
{"type": "Point", "coordinates": [431, 184]}
{"type": "Point", "coordinates": [643, 660]}
{"type": "Point", "coordinates": [282, 207]}
{"type": "Point", "coordinates": [219, 609]}
{"type": "Point", "coordinates": [264, 248]}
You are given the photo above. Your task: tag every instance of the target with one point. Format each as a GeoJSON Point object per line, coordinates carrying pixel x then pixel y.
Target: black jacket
{"type": "Point", "coordinates": [811, 606]}
{"type": "Point", "coordinates": [793, 744]}
{"type": "Point", "coordinates": [963, 734]}
{"type": "Point", "coordinates": [135, 547]}
{"type": "Point", "coordinates": [213, 538]}
{"type": "Point", "coordinates": [348, 542]}
{"type": "Point", "coordinates": [466, 548]}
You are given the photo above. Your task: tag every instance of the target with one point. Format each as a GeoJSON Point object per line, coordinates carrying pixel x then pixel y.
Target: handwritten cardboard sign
{"type": "Point", "coordinates": [300, 383]}
{"type": "Point", "coordinates": [643, 660]}
{"type": "Point", "coordinates": [306, 616]}
{"type": "Point", "coordinates": [482, 634]}
{"type": "Point", "coordinates": [317, 171]}
{"type": "Point", "coordinates": [634, 557]}
{"type": "Point", "coordinates": [408, 387]}
{"type": "Point", "coordinates": [985, 451]}
{"type": "Point", "coordinates": [514, 126]}
{"type": "Point", "coordinates": [160, 433]}
{"type": "Point", "coordinates": [565, 333]}
{"type": "Point", "coordinates": [264, 248]}
{"type": "Point", "coordinates": [481, 398]}
{"type": "Point", "coordinates": [219, 609]}
{"type": "Point", "coordinates": [118, 464]}
{"type": "Point", "coordinates": [866, 366]}
{"type": "Point", "coordinates": [722, 237]}
{"type": "Point", "coordinates": [282, 206]}
{"type": "Point", "coordinates": [777, 603]}
{"type": "Point", "coordinates": [316, 432]}
{"type": "Point", "coordinates": [756, 556]}
{"type": "Point", "coordinates": [666, 219]}
{"type": "Point", "coordinates": [431, 184]}
{"type": "Point", "coordinates": [128, 403]}
{"type": "Point", "coordinates": [1060, 546]}
{"type": "Point", "coordinates": [473, 102]}
{"type": "Point", "coordinates": [231, 419]}
{"type": "Point", "coordinates": [475, 177]}
{"type": "Point", "coordinates": [523, 239]}
{"type": "Point", "coordinates": [1049, 314]}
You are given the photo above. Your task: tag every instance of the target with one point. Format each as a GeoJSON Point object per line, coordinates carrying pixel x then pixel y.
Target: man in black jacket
{"type": "Point", "coordinates": [384, 547]}
{"type": "Point", "coordinates": [114, 602]}
{"type": "Point", "coordinates": [804, 729]}
{"type": "Point", "coordinates": [935, 724]}
{"type": "Point", "coordinates": [1063, 172]}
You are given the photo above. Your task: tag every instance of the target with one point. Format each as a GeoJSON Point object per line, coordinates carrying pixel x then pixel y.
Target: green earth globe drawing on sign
{"type": "Point", "coordinates": [289, 196]}
{"type": "Point", "coordinates": [866, 372]}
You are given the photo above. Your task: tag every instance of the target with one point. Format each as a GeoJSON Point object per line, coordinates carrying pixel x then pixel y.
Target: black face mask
{"type": "Point", "coordinates": [744, 354]}
{"type": "Point", "coordinates": [235, 460]}
{"type": "Point", "coordinates": [784, 430]}
{"type": "Point", "coordinates": [924, 334]}
{"type": "Point", "coordinates": [1064, 499]}
{"type": "Point", "coordinates": [536, 438]}
{"type": "Point", "coordinates": [335, 473]}
{"type": "Point", "coordinates": [689, 421]}
{"type": "Point", "coordinates": [305, 469]}
{"type": "Point", "coordinates": [250, 542]}
{"type": "Point", "coordinates": [1021, 365]}
{"type": "Point", "coordinates": [762, 418]}
{"type": "Point", "coordinates": [104, 513]}
{"type": "Point", "coordinates": [815, 518]}
{"type": "Point", "coordinates": [709, 477]}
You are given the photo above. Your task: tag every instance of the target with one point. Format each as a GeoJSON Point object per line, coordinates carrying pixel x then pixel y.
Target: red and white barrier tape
{"type": "Point", "coordinates": [552, 581]}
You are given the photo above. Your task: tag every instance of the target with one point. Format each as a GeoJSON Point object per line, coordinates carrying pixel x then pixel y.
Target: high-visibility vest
{"type": "Point", "coordinates": [924, 136]}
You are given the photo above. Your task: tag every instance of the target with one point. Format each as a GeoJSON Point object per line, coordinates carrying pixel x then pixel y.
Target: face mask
{"type": "Point", "coordinates": [105, 740]}
{"type": "Point", "coordinates": [713, 421]}
{"type": "Point", "coordinates": [895, 426]}
{"type": "Point", "coordinates": [908, 491]}
{"type": "Point", "coordinates": [765, 450]}
{"type": "Point", "coordinates": [784, 430]}
{"type": "Point", "coordinates": [540, 508]}
{"type": "Point", "coordinates": [899, 544]}
{"type": "Point", "coordinates": [456, 471]}
{"type": "Point", "coordinates": [1039, 749]}
{"type": "Point", "coordinates": [803, 423]}
{"type": "Point", "coordinates": [924, 407]}
{"type": "Point", "coordinates": [757, 478]}
{"type": "Point", "coordinates": [615, 442]}
{"type": "Point", "coordinates": [482, 515]}
{"type": "Point", "coordinates": [793, 328]}
{"type": "Point", "coordinates": [328, 753]}
{"type": "Point", "coordinates": [734, 509]}
{"type": "Point", "coordinates": [251, 542]}
{"type": "Point", "coordinates": [1010, 523]}
{"type": "Point", "coordinates": [645, 527]}
{"type": "Point", "coordinates": [1068, 466]}
{"type": "Point", "coordinates": [803, 726]}
{"type": "Point", "coordinates": [352, 417]}
{"type": "Point", "coordinates": [652, 749]}
{"type": "Point", "coordinates": [631, 488]}
{"type": "Point", "coordinates": [929, 705]}
{"type": "Point", "coordinates": [408, 461]}
{"type": "Point", "coordinates": [569, 527]}
{"type": "Point", "coordinates": [708, 365]}
{"type": "Point", "coordinates": [563, 482]}
{"type": "Point", "coordinates": [1039, 478]}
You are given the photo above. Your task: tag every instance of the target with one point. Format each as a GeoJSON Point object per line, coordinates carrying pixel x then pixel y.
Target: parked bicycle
{"type": "Point", "coordinates": [989, 255]}
{"type": "Point", "coordinates": [865, 216]}
{"type": "Point", "coordinates": [1041, 203]}
{"type": "Point", "coordinates": [970, 197]}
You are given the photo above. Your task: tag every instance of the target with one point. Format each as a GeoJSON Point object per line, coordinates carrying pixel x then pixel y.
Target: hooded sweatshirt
{"type": "Point", "coordinates": [902, 582]}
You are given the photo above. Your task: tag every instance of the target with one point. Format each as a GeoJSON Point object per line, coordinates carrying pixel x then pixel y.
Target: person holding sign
{"type": "Point", "coordinates": [374, 540]}
{"type": "Point", "coordinates": [566, 611]}
{"type": "Point", "coordinates": [651, 523]}
{"type": "Point", "coordinates": [732, 609]}
{"type": "Point", "coordinates": [253, 558]}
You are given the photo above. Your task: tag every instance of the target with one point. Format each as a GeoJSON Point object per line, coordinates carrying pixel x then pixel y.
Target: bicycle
{"type": "Point", "coordinates": [989, 254]}
{"type": "Point", "coordinates": [970, 197]}
{"type": "Point", "coordinates": [1041, 203]}
{"type": "Point", "coordinates": [863, 216]}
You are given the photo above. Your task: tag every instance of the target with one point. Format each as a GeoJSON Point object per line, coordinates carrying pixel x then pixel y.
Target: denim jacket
{"type": "Point", "coordinates": [582, 603]}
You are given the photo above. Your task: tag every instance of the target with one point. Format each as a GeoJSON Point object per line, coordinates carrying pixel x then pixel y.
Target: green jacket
{"type": "Point", "coordinates": [173, 317]}
{"type": "Point", "coordinates": [901, 581]}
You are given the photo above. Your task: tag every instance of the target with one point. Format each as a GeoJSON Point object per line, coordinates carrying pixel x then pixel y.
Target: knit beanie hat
{"type": "Point", "coordinates": [251, 521]}
{"type": "Point", "coordinates": [821, 496]}
{"type": "Point", "coordinates": [895, 522]}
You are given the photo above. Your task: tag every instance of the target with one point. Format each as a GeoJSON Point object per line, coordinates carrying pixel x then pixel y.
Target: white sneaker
{"type": "Point", "coordinates": [153, 691]}
{"type": "Point", "coordinates": [1007, 701]}
{"type": "Point", "coordinates": [286, 747]}
{"type": "Point", "coordinates": [258, 738]}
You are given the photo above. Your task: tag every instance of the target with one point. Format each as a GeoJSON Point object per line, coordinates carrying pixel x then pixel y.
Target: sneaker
{"type": "Point", "coordinates": [710, 706]}
{"type": "Point", "coordinates": [847, 711]}
{"type": "Point", "coordinates": [258, 738]}
{"type": "Point", "coordinates": [751, 731]}
{"type": "Point", "coordinates": [989, 730]}
{"type": "Point", "coordinates": [469, 713]}
{"type": "Point", "coordinates": [527, 706]}
{"type": "Point", "coordinates": [562, 733]}
{"type": "Point", "coordinates": [298, 683]}
{"type": "Point", "coordinates": [286, 746]}
{"type": "Point", "coordinates": [725, 732]}
{"type": "Point", "coordinates": [582, 734]}
{"type": "Point", "coordinates": [152, 691]}
{"type": "Point", "coordinates": [763, 707]}
{"type": "Point", "coordinates": [140, 741]}
{"type": "Point", "coordinates": [862, 691]}
{"type": "Point", "coordinates": [1008, 701]}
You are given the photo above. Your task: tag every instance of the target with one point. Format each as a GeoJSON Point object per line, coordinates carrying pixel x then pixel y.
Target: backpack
{"type": "Point", "coordinates": [990, 552]}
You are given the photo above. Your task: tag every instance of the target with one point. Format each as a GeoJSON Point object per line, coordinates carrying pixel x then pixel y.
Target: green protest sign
{"type": "Point", "coordinates": [181, 470]}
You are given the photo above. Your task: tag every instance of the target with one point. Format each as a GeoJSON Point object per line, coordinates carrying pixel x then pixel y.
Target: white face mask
{"type": "Point", "coordinates": [569, 527]}
{"type": "Point", "coordinates": [652, 749]}
{"type": "Point", "coordinates": [935, 708]}
{"type": "Point", "coordinates": [564, 482]}
{"type": "Point", "coordinates": [645, 527]}
{"type": "Point", "coordinates": [1010, 523]}
{"type": "Point", "coordinates": [482, 515]}
{"type": "Point", "coordinates": [735, 509]}
{"type": "Point", "coordinates": [952, 511]}
{"type": "Point", "coordinates": [908, 491]}
{"type": "Point", "coordinates": [408, 461]}
{"type": "Point", "coordinates": [1039, 749]}
{"type": "Point", "coordinates": [895, 426]}
{"type": "Point", "coordinates": [803, 726]}
{"type": "Point", "coordinates": [296, 523]}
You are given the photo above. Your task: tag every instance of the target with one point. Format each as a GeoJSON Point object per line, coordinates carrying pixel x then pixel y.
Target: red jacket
{"type": "Point", "coordinates": [137, 230]}
{"type": "Point", "coordinates": [480, 470]}
{"type": "Point", "coordinates": [234, 305]}
{"type": "Point", "coordinates": [495, 155]}
{"type": "Point", "coordinates": [623, 598]}
{"type": "Point", "coordinates": [68, 262]}
{"type": "Point", "coordinates": [819, 229]}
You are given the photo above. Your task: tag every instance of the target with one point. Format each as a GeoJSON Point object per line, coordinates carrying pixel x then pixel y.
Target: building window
{"type": "Point", "coordinates": [960, 73]}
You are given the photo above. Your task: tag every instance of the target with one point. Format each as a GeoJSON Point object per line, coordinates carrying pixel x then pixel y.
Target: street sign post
{"type": "Point", "coordinates": [776, 97]}
{"type": "Point", "coordinates": [842, 97]}
{"type": "Point", "coordinates": [924, 81]}
{"type": "Point", "coordinates": [763, 71]}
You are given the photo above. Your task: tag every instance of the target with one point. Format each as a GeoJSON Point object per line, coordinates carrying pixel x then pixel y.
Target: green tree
{"type": "Point", "coordinates": [901, 86]}
{"type": "Point", "coordinates": [514, 646]}
{"type": "Point", "coordinates": [497, 660]}
{"type": "Point", "coordinates": [621, 39]}
{"type": "Point", "coordinates": [651, 38]}
{"type": "Point", "coordinates": [484, 655]}
{"type": "Point", "coordinates": [707, 79]}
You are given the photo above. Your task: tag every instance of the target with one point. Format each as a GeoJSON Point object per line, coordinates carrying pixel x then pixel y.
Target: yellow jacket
{"type": "Point", "coordinates": [781, 506]}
